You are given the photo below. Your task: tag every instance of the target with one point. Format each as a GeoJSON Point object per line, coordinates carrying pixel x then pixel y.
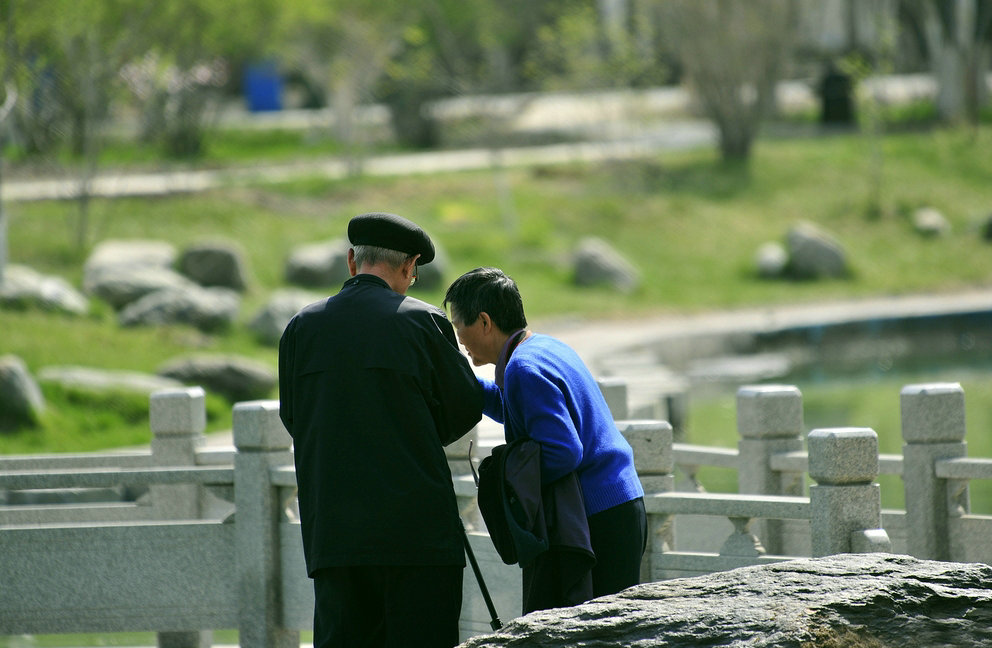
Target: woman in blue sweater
{"type": "Point", "coordinates": [543, 390]}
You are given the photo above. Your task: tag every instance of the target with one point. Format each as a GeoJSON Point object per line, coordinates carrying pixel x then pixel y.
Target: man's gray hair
{"type": "Point", "coordinates": [370, 255]}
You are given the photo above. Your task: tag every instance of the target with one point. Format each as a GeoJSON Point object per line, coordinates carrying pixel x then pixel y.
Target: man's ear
{"type": "Point", "coordinates": [352, 267]}
{"type": "Point", "coordinates": [487, 322]}
{"type": "Point", "coordinates": [410, 267]}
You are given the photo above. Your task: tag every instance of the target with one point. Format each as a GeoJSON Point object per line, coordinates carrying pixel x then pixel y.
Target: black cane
{"type": "Point", "coordinates": [495, 624]}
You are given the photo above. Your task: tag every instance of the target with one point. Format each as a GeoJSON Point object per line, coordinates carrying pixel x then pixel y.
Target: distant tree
{"type": "Point", "coordinates": [190, 48]}
{"type": "Point", "coordinates": [9, 94]}
{"type": "Point", "coordinates": [453, 47]}
{"type": "Point", "coordinates": [407, 55]}
{"type": "Point", "coordinates": [585, 48]}
{"type": "Point", "coordinates": [732, 54]}
{"type": "Point", "coordinates": [342, 49]}
{"type": "Point", "coordinates": [958, 38]}
{"type": "Point", "coordinates": [68, 56]}
{"type": "Point", "coordinates": [64, 57]}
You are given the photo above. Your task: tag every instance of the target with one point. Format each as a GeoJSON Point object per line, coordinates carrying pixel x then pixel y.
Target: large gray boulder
{"type": "Point", "coordinates": [215, 264]}
{"type": "Point", "coordinates": [235, 377]}
{"type": "Point", "coordinates": [208, 309]}
{"type": "Point", "coordinates": [271, 319]}
{"type": "Point", "coordinates": [815, 254]}
{"type": "Point", "coordinates": [319, 264]}
{"type": "Point", "coordinates": [120, 272]}
{"type": "Point", "coordinates": [598, 263]}
{"type": "Point", "coordinates": [847, 600]}
{"type": "Point", "coordinates": [21, 401]}
{"type": "Point", "coordinates": [23, 287]}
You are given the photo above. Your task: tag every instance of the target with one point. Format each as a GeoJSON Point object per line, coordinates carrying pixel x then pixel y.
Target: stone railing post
{"type": "Point", "coordinates": [260, 438]}
{"type": "Point", "coordinates": [769, 421]}
{"type": "Point", "coordinates": [655, 463]}
{"type": "Point", "coordinates": [615, 392]}
{"type": "Point", "coordinates": [933, 427]}
{"type": "Point", "coordinates": [177, 418]}
{"type": "Point", "coordinates": [845, 504]}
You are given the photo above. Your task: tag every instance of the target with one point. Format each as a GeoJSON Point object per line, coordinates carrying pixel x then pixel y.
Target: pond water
{"type": "Point", "coordinates": [850, 374]}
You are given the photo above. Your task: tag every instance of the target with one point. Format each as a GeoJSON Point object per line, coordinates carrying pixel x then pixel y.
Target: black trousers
{"type": "Point", "coordinates": [387, 606]}
{"type": "Point", "coordinates": [618, 536]}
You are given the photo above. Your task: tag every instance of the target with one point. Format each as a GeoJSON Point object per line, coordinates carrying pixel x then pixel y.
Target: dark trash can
{"type": "Point", "coordinates": [836, 97]}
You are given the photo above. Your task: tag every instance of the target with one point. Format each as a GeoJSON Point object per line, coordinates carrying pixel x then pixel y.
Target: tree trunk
{"type": "Point", "coordinates": [951, 69]}
{"type": "Point", "coordinates": [958, 56]}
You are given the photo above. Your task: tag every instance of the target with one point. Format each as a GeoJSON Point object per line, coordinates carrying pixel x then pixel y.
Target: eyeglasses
{"type": "Point", "coordinates": [413, 279]}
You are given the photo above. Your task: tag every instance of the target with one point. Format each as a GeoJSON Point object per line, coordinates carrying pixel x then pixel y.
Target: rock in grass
{"type": "Point", "coordinates": [24, 288]}
{"type": "Point", "coordinates": [234, 377]}
{"type": "Point", "coordinates": [21, 401]}
{"type": "Point", "coordinates": [270, 320]}
{"type": "Point", "coordinates": [815, 254]}
{"type": "Point", "coordinates": [90, 380]}
{"type": "Point", "coordinates": [598, 263]}
{"type": "Point", "coordinates": [207, 309]}
{"type": "Point", "coordinates": [215, 264]}
{"type": "Point", "coordinates": [848, 600]}
{"type": "Point", "coordinates": [317, 265]}
{"type": "Point", "coordinates": [929, 222]}
{"type": "Point", "coordinates": [771, 260]}
{"type": "Point", "coordinates": [122, 271]}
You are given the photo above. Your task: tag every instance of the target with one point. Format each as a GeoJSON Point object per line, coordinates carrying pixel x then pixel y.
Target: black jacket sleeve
{"type": "Point", "coordinates": [457, 402]}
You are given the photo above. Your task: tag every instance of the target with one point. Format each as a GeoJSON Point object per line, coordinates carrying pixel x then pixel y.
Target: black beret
{"type": "Point", "coordinates": [391, 232]}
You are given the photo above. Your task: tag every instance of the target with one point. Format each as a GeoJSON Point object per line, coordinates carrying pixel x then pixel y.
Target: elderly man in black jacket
{"type": "Point", "coordinates": [371, 386]}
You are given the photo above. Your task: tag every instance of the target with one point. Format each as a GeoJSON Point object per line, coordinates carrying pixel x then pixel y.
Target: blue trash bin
{"type": "Point", "coordinates": [263, 87]}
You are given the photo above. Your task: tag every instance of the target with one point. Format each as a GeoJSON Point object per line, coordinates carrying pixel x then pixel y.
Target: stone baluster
{"type": "Point", "coordinates": [769, 421]}
{"type": "Point", "coordinates": [655, 463]}
{"type": "Point", "coordinates": [177, 418]}
{"type": "Point", "coordinates": [933, 427]}
{"type": "Point", "coordinates": [615, 392]}
{"type": "Point", "coordinates": [261, 442]}
{"type": "Point", "coordinates": [845, 504]}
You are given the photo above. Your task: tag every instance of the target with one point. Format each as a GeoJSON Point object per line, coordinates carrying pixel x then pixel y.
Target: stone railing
{"type": "Point", "coordinates": [772, 461]}
{"type": "Point", "coordinates": [177, 560]}
{"type": "Point", "coordinates": [212, 540]}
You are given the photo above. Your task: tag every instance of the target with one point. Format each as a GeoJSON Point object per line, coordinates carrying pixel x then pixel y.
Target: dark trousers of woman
{"type": "Point", "coordinates": [387, 606]}
{"type": "Point", "coordinates": [618, 537]}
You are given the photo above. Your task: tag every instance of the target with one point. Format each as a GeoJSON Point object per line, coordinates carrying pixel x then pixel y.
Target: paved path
{"type": "Point", "coordinates": [673, 136]}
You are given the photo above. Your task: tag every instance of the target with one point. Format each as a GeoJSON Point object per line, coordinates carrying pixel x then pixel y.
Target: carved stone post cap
{"type": "Point", "coordinates": [843, 456]}
{"type": "Point", "coordinates": [769, 412]}
{"type": "Point", "coordinates": [257, 426]}
{"type": "Point", "coordinates": [652, 445]}
{"type": "Point", "coordinates": [180, 411]}
{"type": "Point", "coordinates": [932, 413]}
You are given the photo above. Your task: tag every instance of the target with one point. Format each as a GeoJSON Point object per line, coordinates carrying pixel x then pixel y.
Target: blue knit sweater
{"type": "Point", "coordinates": [550, 396]}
